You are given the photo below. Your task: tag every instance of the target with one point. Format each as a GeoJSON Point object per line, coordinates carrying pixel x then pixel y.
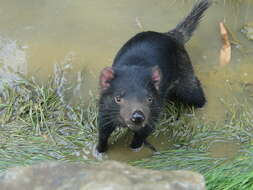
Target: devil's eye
{"type": "Point", "coordinates": [150, 99]}
{"type": "Point", "coordinates": [117, 99]}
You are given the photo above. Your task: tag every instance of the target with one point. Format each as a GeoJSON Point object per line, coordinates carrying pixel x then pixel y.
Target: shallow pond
{"type": "Point", "coordinates": [85, 36]}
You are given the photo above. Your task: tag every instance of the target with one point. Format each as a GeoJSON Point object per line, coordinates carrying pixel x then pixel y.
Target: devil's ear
{"type": "Point", "coordinates": [106, 75]}
{"type": "Point", "coordinates": [156, 77]}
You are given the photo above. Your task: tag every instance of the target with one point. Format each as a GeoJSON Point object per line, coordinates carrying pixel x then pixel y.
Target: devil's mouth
{"type": "Point", "coordinates": [135, 127]}
{"type": "Point", "coordinates": [131, 125]}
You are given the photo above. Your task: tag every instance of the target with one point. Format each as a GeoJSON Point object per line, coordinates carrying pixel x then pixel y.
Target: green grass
{"type": "Point", "coordinates": [36, 124]}
{"type": "Point", "coordinates": [222, 172]}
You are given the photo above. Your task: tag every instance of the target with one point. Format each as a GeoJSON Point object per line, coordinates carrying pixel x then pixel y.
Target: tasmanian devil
{"type": "Point", "coordinates": [149, 70]}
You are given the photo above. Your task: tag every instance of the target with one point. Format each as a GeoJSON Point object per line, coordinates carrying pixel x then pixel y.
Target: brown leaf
{"type": "Point", "coordinates": [225, 52]}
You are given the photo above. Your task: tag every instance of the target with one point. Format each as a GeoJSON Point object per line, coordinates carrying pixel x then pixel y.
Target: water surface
{"type": "Point", "coordinates": [86, 35]}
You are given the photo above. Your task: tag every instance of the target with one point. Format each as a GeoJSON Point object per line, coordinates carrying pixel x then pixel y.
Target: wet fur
{"type": "Point", "coordinates": [132, 70]}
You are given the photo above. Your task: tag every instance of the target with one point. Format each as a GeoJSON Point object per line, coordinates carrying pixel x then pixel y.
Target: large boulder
{"type": "Point", "coordinates": [108, 175]}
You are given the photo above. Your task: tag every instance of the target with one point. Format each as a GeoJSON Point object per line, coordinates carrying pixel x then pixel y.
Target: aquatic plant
{"type": "Point", "coordinates": [221, 171]}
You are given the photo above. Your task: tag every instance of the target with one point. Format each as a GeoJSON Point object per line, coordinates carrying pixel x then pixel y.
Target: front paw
{"type": "Point", "coordinates": [101, 148]}
{"type": "Point", "coordinates": [98, 155]}
{"type": "Point", "coordinates": [136, 147]}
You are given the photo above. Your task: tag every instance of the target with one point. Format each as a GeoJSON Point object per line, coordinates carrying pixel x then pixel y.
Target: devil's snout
{"type": "Point", "coordinates": [137, 117]}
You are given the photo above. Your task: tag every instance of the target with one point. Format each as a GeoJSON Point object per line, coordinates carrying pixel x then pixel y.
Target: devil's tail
{"type": "Point", "coordinates": [185, 29]}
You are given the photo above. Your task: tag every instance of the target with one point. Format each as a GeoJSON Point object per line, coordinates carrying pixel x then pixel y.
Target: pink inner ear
{"type": "Point", "coordinates": [106, 75]}
{"type": "Point", "coordinates": [156, 77]}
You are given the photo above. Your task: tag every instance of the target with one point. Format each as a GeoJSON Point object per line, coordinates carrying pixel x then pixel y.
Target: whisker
{"type": "Point", "coordinates": [109, 114]}
{"type": "Point", "coordinates": [107, 123]}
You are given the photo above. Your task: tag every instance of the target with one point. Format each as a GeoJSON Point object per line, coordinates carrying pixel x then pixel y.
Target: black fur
{"type": "Point", "coordinates": [132, 75]}
{"type": "Point", "coordinates": [185, 29]}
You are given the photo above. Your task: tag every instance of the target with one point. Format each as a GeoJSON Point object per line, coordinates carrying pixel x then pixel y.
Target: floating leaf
{"type": "Point", "coordinates": [225, 52]}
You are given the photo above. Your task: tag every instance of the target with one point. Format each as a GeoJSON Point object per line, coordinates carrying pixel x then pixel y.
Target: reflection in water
{"type": "Point", "coordinates": [85, 35]}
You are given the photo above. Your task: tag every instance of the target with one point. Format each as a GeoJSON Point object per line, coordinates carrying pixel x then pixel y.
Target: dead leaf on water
{"type": "Point", "coordinates": [225, 52]}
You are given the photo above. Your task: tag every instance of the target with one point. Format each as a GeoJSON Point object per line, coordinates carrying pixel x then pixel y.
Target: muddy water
{"type": "Point", "coordinates": [85, 35]}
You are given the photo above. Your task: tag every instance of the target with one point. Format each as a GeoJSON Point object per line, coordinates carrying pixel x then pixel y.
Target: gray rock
{"type": "Point", "coordinates": [109, 175]}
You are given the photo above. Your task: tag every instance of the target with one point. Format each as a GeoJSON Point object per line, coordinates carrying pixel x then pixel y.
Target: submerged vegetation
{"type": "Point", "coordinates": [221, 151]}
{"type": "Point", "coordinates": [209, 152]}
{"type": "Point", "coordinates": [38, 125]}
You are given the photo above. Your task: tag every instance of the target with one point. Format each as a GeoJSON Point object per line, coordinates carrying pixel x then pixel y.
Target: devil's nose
{"type": "Point", "coordinates": [137, 117]}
